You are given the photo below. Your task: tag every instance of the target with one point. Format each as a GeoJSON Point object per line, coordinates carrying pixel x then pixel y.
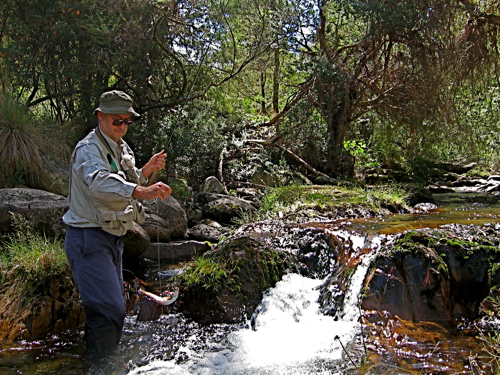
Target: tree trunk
{"type": "Point", "coordinates": [276, 80]}
{"type": "Point", "coordinates": [263, 91]}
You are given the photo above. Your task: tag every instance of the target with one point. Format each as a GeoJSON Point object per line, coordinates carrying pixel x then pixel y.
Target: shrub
{"type": "Point", "coordinates": [19, 140]}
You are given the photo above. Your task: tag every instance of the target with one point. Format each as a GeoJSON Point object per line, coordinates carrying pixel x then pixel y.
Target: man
{"type": "Point", "coordinates": [104, 186]}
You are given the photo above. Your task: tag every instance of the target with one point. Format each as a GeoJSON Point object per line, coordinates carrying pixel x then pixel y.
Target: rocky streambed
{"type": "Point", "coordinates": [428, 279]}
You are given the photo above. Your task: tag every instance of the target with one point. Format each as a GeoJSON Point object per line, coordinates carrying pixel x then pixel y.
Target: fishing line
{"type": "Point", "coordinates": [169, 143]}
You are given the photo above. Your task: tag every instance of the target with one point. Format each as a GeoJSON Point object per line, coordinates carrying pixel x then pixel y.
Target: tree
{"type": "Point", "coordinates": [404, 60]}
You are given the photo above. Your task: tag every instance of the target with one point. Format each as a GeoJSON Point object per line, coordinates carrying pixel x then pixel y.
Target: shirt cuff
{"type": "Point", "coordinates": [142, 179]}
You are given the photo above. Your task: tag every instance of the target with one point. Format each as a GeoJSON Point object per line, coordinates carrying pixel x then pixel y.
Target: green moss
{"type": "Point", "coordinates": [242, 260]}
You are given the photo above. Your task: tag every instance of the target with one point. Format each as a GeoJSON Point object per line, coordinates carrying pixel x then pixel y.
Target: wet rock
{"type": "Point", "coordinates": [136, 242]}
{"type": "Point", "coordinates": [175, 251]}
{"type": "Point", "coordinates": [317, 254]}
{"type": "Point", "coordinates": [55, 308]}
{"type": "Point", "coordinates": [424, 207]}
{"type": "Point", "coordinates": [230, 289]}
{"type": "Point", "coordinates": [42, 209]}
{"type": "Point", "coordinates": [435, 275]}
{"type": "Point", "coordinates": [204, 232]}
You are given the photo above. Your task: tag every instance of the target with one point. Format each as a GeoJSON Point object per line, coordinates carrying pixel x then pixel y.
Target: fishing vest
{"type": "Point", "coordinates": [112, 215]}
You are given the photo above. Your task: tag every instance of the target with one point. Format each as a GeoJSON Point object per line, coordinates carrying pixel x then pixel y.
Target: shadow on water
{"type": "Point", "coordinates": [173, 341]}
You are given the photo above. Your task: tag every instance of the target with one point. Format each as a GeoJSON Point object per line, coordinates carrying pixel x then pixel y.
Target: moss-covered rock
{"type": "Point", "coordinates": [436, 275]}
{"type": "Point", "coordinates": [226, 285]}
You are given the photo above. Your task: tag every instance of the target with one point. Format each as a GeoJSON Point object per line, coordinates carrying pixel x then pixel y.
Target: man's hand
{"type": "Point", "coordinates": [158, 190]}
{"type": "Point", "coordinates": [156, 162]}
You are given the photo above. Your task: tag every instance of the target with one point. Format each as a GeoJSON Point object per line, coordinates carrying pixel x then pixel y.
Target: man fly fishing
{"type": "Point", "coordinates": [104, 187]}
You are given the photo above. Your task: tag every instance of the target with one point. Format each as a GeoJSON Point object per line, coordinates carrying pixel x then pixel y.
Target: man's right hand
{"type": "Point", "coordinates": [157, 190]}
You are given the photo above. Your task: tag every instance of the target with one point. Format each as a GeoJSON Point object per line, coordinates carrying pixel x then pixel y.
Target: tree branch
{"type": "Point", "coordinates": [289, 153]}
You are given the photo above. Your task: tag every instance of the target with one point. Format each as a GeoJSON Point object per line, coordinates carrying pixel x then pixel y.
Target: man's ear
{"type": "Point", "coordinates": [100, 115]}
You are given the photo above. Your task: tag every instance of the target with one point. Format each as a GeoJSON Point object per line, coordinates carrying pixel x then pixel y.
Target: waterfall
{"type": "Point", "coordinates": [287, 334]}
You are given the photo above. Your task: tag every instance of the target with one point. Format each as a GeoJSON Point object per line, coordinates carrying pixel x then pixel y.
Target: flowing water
{"type": "Point", "coordinates": [287, 334]}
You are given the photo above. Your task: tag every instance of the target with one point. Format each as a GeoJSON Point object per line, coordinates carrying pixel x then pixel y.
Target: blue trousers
{"type": "Point", "coordinates": [96, 264]}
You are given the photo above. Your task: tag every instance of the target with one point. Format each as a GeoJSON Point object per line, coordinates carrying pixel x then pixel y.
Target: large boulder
{"type": "Point", "coordinates": [166, 216]}
{"type": "Point", "coordinates": [222, 208]}
{"type": "Point", "coordinates": [438, 275]}
{"type": "Point", "coordinates": [226, 285]}
{"type": "Point", "coordinates": [55, 308]}
{"type": "Point", "coordinates": [42, 209]}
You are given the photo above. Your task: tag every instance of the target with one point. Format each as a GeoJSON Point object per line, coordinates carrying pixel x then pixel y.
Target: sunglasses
{"type": "Point", "coordinates": [121, 122]}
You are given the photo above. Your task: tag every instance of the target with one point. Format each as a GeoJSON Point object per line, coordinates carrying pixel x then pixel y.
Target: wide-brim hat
{"type": "Point", "coordinates": [116, 102]}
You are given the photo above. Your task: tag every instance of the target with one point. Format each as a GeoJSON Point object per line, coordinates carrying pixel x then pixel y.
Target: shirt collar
{"type": "Point", "coordinates": [112, 144]}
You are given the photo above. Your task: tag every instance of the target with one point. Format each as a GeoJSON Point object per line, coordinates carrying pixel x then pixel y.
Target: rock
{"type": "Point", "coordinates": [173, 215]}
{"type": "Point", "coordinates": [42, 209]}
{"type": "Point", "coordinates": [230, 290]}
{"type": "Point", "coordinates": [175, 251]}
{"type": "Point", "coordinates": [213, 185]}
{"type": "Point", "coordinates": [136, 242]}
{"type": "Point", "coordinates": [425, 207]}
{"type": "Point", "coordinates": [54, 178]}
{"type": "Point", "coordinates": [418, 194]}
{"type": "Point", "coordinates": [436, 189]}
{"type": "Point", "coordinates": [204, 232]}
{"type": "Point", "coordinates": [158, 229]}
{"type": "Point", "coordinates": [456, 168]}
{"type": "Point", "coordinates": [194, 214]}
{"type": "Point", "coordinates": [494, 178]}
{"type": "Point", "coordinates": [222, 208]}
{"type": "Point", "coordinates": [438, 275]}
{"type": "Point", "coordinates": [56, 307]}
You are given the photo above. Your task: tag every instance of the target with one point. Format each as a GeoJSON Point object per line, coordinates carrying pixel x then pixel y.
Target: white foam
{"type": "Point", "coordinates": [290, 334]}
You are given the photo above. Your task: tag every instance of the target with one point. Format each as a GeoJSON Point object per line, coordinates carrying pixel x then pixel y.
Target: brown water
{"type": "Point", "coordinates": [398, 347]}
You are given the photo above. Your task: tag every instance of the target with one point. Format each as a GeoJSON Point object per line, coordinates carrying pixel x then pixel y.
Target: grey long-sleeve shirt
{"type": "Point", "coordinates": [97, 189]}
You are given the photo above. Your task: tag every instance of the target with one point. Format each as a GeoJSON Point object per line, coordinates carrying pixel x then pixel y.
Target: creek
{"type": "Point", "coordinates": [287, 334]}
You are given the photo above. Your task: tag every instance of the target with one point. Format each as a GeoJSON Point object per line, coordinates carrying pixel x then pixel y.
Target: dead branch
{"type": "Point", "coordinates": [289, 153]}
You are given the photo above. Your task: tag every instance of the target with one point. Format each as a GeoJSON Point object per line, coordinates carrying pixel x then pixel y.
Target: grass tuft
{"type": "Point", "coordinates": [30, 256]}
{"type": "Point", "coordinates": [19, 140]}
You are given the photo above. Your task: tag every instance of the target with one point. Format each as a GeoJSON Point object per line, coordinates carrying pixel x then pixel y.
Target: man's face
{"type": "Point", "coordinates": [115, 132]}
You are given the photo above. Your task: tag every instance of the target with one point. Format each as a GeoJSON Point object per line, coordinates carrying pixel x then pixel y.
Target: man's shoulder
{"type": "Point", "coordinates": [90, 138]}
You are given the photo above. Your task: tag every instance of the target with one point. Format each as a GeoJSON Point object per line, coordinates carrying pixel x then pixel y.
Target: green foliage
{"type": "Point", "coordinates": [33, 258]}
{"type": "Point", "coordinates": [203, 273]}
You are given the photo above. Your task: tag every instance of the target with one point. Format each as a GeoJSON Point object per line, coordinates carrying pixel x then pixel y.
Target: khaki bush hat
{"type": "Point", "coordinates": [116, 102]}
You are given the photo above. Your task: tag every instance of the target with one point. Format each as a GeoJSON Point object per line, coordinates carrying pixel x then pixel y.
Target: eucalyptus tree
{"type": "Point", "coordinates": [403, 60]}
{"type": "Point", "coordinates": [163, 52]}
